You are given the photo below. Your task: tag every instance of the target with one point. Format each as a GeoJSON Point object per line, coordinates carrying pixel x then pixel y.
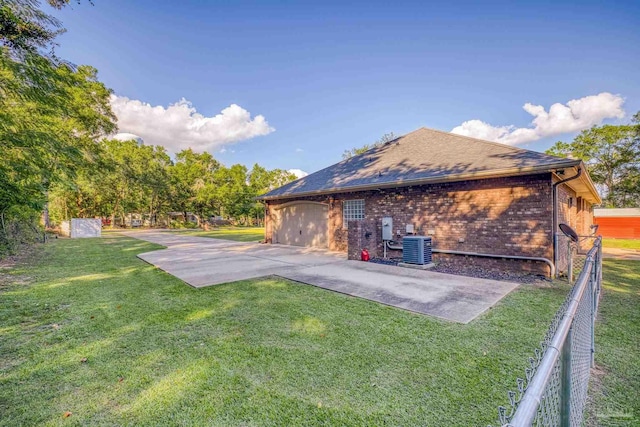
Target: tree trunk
{"type": "Point", "coordinates": [116, 206]}
{"type": "Point", "coordinates": [45, 211]}
{"type": "Point", "coordinates": [151, 212]}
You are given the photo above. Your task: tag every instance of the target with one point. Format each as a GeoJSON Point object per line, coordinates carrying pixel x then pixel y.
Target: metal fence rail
{"type": "Point", "coordinates": [554, 390]}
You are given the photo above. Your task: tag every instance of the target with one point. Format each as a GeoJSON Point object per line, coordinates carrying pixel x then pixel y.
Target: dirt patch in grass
{"type": "Point", "coordinates": [26, 255]}
{"type": "Point", "coordinates": [595, 392]}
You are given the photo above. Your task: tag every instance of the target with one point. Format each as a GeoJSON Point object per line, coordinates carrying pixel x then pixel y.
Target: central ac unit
{"type": "Point", "coordinates": [416, 250]}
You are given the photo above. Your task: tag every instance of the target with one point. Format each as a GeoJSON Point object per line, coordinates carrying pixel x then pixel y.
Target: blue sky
{"type": "Point", "coordinates": [328, 76]}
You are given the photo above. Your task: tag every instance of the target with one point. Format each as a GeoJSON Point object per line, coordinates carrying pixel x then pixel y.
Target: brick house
{"type": "Point", "coordinates": [471, 196]}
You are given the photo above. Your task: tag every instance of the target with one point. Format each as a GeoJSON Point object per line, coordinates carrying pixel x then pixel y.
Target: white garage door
{"type": "Point", "coordinates": [302, 224]}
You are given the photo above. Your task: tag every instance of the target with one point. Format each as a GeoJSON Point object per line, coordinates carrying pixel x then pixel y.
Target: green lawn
{"type": "Point", "coordinates": [621, 243]}
{"type": "Point", "coordinates": [616, 391]}
{"type": "Point", "coordinates": [88, 328]}
{"type": "Point", "coordinates": [241, 234]}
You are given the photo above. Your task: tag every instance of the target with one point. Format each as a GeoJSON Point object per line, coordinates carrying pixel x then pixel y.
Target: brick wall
{"type": "Point", "coordinates": [574, 211]}
{"type": "Point", "coordinates": [505, 216]}
{"type": "Point", "coordinates": [577, 213]}
{"type": "Point", "coordinates": [501, 216]}
{"type": "Point", "coordinates": [362, 236]}
{"type": "Point", "coordinates": [567, 212]}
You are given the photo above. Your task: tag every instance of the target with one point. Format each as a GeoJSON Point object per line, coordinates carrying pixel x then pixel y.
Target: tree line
{"type": "Point", "coordinates": [131, 178]}
{"type": "Point", "coordinates": [612, 155]}
{"type": "Point", "coordinates": [55, 119]}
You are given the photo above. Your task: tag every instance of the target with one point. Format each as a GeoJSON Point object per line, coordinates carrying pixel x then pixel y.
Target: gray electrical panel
{"type": "Point", "coordinates": [387, 228]}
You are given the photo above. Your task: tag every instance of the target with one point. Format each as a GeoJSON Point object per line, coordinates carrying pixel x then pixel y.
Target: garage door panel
{"type": "Point", "coordinates": [302, 224]}
{"type": "Point", "coordinates": [288, 232]}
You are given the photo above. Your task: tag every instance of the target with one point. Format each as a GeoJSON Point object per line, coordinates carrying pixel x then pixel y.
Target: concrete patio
{"type": "Point", "coordinates": [202, 261]}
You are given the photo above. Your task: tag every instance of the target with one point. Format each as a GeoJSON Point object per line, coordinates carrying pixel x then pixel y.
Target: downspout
{"type": "Point", "coordinates": [266, 211]}
{"type": "Point", "coordinates": [555, 212]}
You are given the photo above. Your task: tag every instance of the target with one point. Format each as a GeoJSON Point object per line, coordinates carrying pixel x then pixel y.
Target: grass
{"type": "Point", "coordinates": [615, 391]}
{"type": "Point", "coordinates": [90, 329]}
{"type": "Point", "coordinates": [621, 243]}
{"type": "Point", "coordinates": [240, 234]}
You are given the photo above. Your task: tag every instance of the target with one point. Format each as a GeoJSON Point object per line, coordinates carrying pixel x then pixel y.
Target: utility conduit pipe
{"type": "Point", "coordinates": [552, 268]}
{"type": "Point", "coordinates": [395, 247]}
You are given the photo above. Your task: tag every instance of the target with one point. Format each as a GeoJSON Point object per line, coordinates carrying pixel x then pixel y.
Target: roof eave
{"type": "Point", "coordinates": [585, 178]}
{"type": "Point", "coordinates": [590, 183]}
{"type": "Point", "coordinates": [501, 173]}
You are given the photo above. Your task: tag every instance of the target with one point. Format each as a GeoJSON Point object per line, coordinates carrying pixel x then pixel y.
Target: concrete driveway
{"type": "Point", "coordinates": [202, 261]}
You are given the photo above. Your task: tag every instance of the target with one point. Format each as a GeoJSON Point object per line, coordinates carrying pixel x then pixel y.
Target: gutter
{"type": "Point", "coordinates": [433, 180]}
{"type": "Point", "coordinates": [555, 211]}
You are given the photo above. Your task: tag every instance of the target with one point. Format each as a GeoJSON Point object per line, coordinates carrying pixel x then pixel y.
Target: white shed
{"type": "Point", "coordinates": [82, 227]}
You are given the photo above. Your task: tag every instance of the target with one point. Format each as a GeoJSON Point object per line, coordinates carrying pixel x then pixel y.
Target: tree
{"type": "Point", "coordinates": [46, 138]}
{"type": "Point", "coordinates": [193, 183]}
{"type": "Point", "coordinates": [25, 29]}
{"type": "Point", "coordinates": [262, 181]}
{"type": "Point", "coordinates": [52, 114]}
{"type": "Point", "coordinates": [612, 154]}
{"type": "Point", "coordinates": [126, 177]}
{"type": "Point", "coordinates": [355, 151]}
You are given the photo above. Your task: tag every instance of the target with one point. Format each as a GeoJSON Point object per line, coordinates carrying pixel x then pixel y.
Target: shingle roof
{"type": "Point", "coordinates": [422, 156]}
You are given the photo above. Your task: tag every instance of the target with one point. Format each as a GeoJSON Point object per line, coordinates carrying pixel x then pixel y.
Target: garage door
{"type": "Point", "coordinates": [302, 224]}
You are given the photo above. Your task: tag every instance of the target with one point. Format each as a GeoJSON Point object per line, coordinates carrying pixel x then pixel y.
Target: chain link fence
{"type": "Point", "coordinates": [553, 391]}
{"type": "Point", "coordinates": [577, 255]}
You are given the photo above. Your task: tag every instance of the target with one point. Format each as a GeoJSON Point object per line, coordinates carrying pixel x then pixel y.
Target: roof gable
{"type": "Point", "coordinates": [422, 155]}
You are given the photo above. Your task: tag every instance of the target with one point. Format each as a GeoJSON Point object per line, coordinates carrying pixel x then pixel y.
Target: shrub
{"type": "Point", "coordinates": [18, 227]}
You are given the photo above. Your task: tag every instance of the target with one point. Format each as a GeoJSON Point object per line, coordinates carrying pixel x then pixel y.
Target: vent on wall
{"type": "Point", "coordinates": [416, 250]}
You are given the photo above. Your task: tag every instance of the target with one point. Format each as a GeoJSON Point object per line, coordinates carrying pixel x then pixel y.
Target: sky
{"type": "Point", "coordinates": [292, 85]}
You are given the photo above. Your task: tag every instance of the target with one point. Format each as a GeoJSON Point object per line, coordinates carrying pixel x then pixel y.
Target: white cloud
{"type": "Point", "coordinates": [574, 116]}
{"type": "Point", "coordinates": [180, 126]}
{"type": "Point", "coordinates": [223, 150]}
{"type": "Point", "coordinates": [299, 173]}
{"type": "Point", "coordinates": [128, 137]}
{"type": "Point", "coordinates": [299, 150]}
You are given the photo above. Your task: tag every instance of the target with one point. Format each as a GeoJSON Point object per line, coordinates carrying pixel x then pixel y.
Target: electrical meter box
{"type": "Point", "coordinates": [387, 228]}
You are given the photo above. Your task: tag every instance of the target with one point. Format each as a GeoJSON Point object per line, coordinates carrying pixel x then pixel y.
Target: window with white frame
{"type": "Point", "coordinates": [352, 210]}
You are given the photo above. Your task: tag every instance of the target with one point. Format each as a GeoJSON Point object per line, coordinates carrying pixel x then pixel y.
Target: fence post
{"type": "Point", "coordinates": [594, 305]}
{"type": "Point", "coordinates": [565, 384]}
{"type": "Point", "coordinates": [599, 264]}
{"type": "Point", "coordinates": [570, 263]}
